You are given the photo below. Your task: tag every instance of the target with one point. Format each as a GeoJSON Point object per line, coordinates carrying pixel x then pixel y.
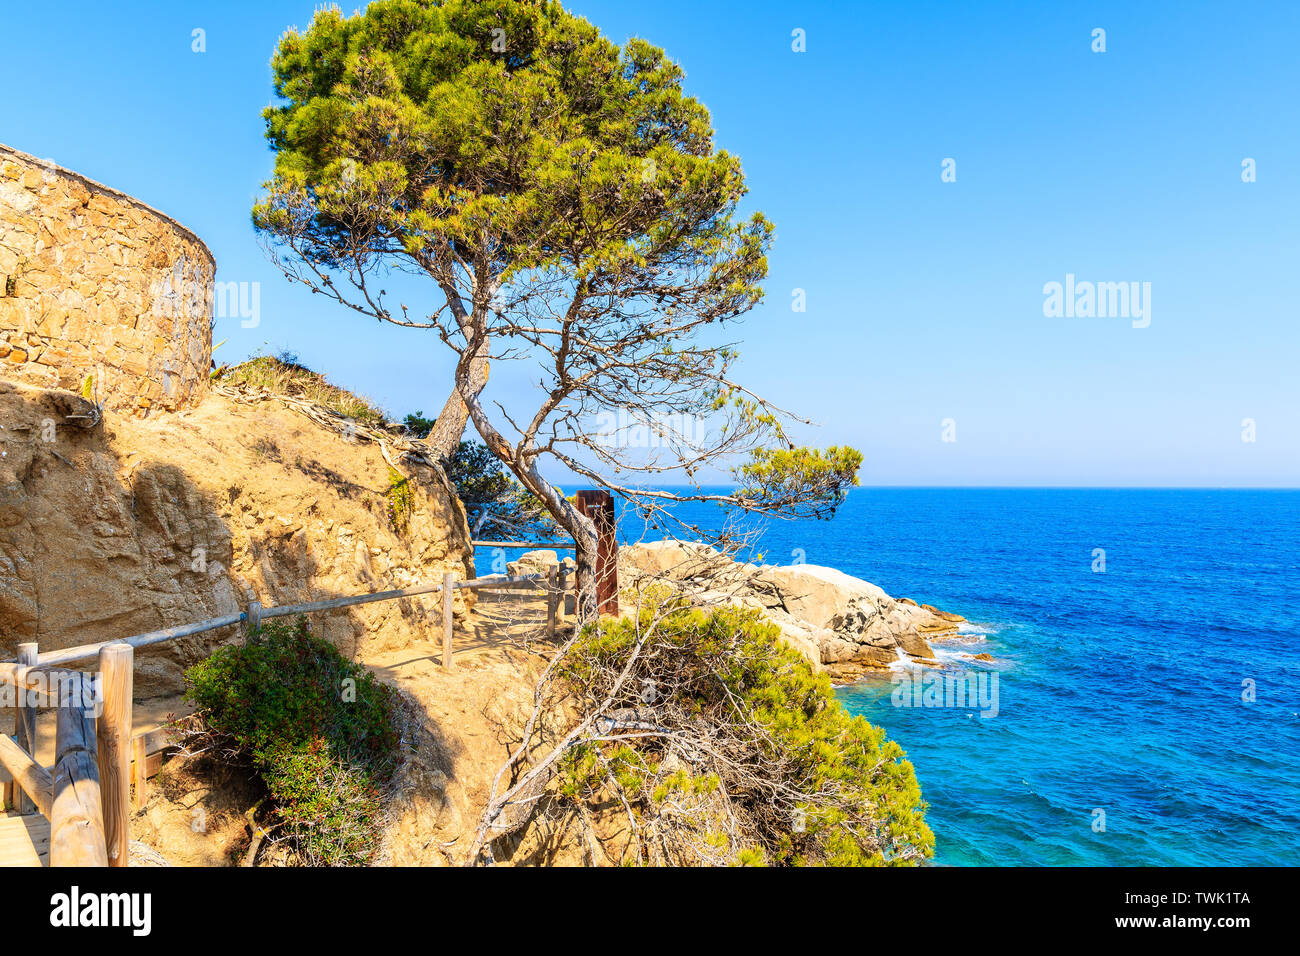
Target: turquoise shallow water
{"type": "Point", "coordinates": [1118, 691]}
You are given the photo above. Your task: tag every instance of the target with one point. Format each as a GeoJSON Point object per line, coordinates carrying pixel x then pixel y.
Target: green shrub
{"type": "Point", "coordinates": [318, 729]}
{"type": "Point", "coordinates": [400, 500]}
{"type": "Point", "coordinates": [801, 780]}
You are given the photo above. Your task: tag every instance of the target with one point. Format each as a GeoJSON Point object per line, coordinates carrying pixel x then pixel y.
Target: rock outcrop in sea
{"type": "Point", "coordinates": [841, 624]}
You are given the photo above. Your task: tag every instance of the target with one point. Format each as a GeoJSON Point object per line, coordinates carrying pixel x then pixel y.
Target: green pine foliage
{"type": "Point", "coordinates": [432, 123]}
{"type": "Point", "coordinates": [778, 722]}
{"type": "Point", "coordinates": [565, 195]}
{"type": "Point", "coordinates": [318, 729]}
{"type": "Point", "coordinates": [818, 479]}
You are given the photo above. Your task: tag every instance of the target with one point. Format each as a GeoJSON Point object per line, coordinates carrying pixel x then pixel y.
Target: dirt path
{"type": "Point", "coordinates": [459, 726]}
{"type": "Point", "coordinates": [467, 718]}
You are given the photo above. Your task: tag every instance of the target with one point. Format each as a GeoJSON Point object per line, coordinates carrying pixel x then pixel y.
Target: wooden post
{"type": "Point", "coordinates": [448, 592]}
{"type": "Point", "coordinates": [11, 790]}
{"type": "Point", "coordinates": [24, 726]}
{"type": "Point", "coordinates": [139, 771]}
{"type": "Point", "coordinates": [561, 585]}
{"type": "Point", "coordinates": [76, 817]}
{"type": "Point", "coordinates": [552, 595]}
{"type": "Point", "coordinates": [254, 617]}
{"type": "Point", "coordinates": [113, 736]}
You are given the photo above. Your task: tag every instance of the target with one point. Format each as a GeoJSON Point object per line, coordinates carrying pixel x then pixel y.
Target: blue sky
{"type": "Point", "coordinates": [924, 298]}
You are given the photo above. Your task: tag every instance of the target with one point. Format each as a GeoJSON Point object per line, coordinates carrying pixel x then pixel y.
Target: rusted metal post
{"type": "Point", "coordinates": [599, 507]}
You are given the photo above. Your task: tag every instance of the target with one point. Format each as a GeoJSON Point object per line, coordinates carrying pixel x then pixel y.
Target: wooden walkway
{"type": "Point", "coordinates": [24, 840]}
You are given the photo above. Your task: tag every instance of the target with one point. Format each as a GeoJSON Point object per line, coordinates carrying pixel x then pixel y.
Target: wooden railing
{"type": "Point", "coordinates": [87, 795]}
{"type": "Point", "coordinates": [516, 545]}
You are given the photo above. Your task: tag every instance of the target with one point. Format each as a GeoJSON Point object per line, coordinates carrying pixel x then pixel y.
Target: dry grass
{"type": "Point", "coordinates": [285, 376]}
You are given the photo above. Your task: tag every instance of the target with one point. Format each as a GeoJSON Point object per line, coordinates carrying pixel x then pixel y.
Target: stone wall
{"type": "Point", "coordinates": [99, 292]}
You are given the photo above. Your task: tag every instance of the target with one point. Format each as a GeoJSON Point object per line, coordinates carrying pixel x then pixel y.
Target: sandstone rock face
{"type": "Point", "coordinates": [818, 594]}
{"type": "Point", "coordinates": [943, 615]}
{"type": "Point", "coordinates": [96, 283]}
{"type": "Point", "coordinates": [840, 623]}
{"type": "Point", "coordinates": [680, 561]}
{"type": "Point", "coordinates": [133, 525]}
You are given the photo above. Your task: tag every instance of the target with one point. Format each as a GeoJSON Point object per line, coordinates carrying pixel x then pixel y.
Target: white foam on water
{"type": "Point", "coordinates": [948, 654]}
{"type": "Point", "coordinates": [903, 662]}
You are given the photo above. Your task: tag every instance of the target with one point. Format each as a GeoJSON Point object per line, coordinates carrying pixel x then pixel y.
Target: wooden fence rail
{"type": "Point", "coordinates": [87, 652]}
{"type": "Point", "coordinates": [536, 545]}
{"type": "Point", "coordinates": [87, 795]}
{"type": "Point", "coordinates": [77, 835]}
{"type": "Point", "coordinates": [34, 780]}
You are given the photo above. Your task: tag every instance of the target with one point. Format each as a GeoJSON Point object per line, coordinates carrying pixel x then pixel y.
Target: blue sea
{"type": "Point", "coordinates": [1148, 714]}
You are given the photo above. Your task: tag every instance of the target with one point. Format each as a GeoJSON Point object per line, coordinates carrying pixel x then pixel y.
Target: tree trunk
{"type": "Point", "coordinates": [450, 424]}
{"type": "Point", "coordinates": [583, 530]}
{"type": "Point", "coordinates": [586, 542]}
{"type": "Point", "coordinates": [586, 537]}
{"type": "Point", "coordinates": [466, 401]}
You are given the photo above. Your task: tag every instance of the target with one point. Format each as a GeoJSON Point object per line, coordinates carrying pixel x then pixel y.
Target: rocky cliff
{"type": "Point", "coordinates": [116, 526]}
